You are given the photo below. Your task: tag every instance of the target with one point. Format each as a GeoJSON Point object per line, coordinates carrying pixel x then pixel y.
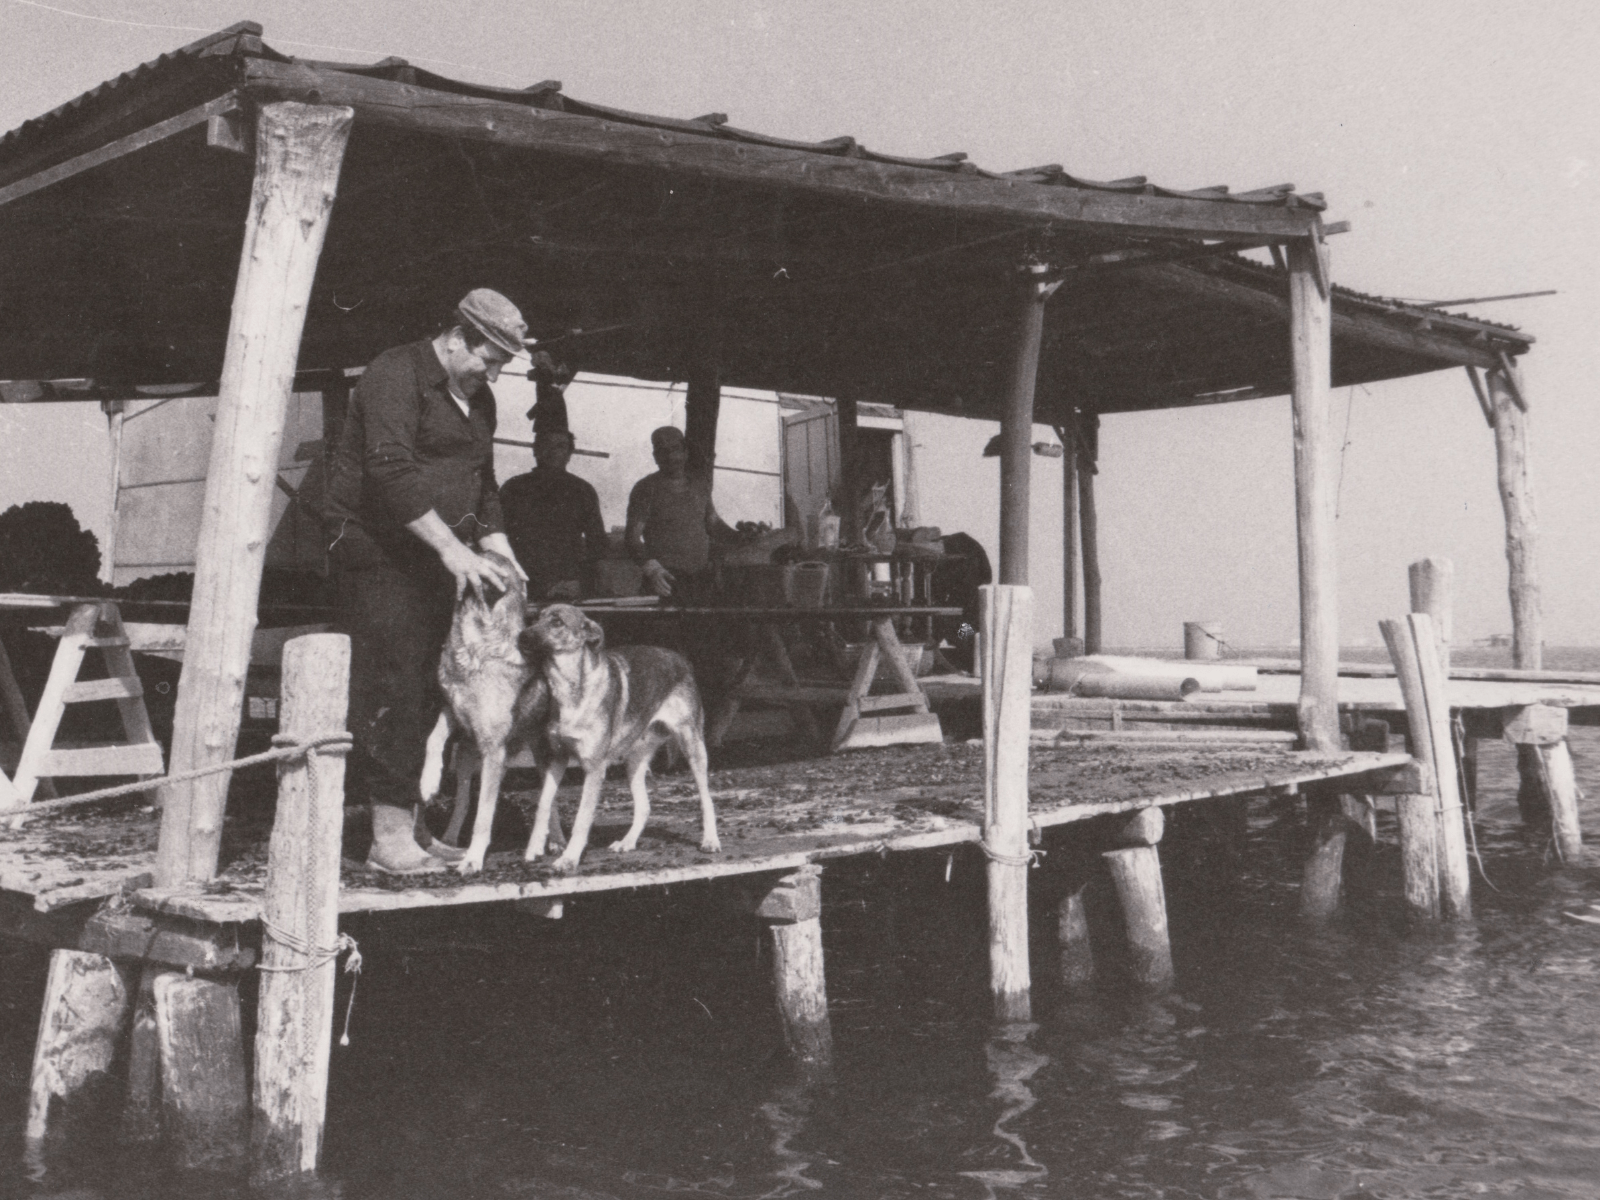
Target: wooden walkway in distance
{"type": "Point", "coordinates": [771, 818]}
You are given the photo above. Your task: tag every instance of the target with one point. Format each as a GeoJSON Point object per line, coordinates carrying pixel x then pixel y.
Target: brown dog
{"type": "Point", "coordinates": [495, 702]}
{"type": "Point", "coordinates": [611, 706]}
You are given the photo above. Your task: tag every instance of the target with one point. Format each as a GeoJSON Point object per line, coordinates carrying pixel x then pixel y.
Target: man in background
{"type": "Point", "coordinates": [553, 520]}
{"type": "Point", "coordinates": [672, 523]}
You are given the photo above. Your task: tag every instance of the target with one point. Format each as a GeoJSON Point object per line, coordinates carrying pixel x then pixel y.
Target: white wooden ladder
{"type": "Point", "coordinates": [94, 626]}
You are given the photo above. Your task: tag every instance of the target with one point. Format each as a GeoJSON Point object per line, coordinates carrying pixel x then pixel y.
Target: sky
{"type": "Point", "coordinates": [1461, 140]}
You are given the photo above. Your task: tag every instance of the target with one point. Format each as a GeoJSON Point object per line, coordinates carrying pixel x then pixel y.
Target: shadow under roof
{"type": "Point", "coordinates": [828, 268]}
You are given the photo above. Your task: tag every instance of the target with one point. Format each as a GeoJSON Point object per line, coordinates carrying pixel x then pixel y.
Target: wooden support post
{"type": "Point", "coordinates": [299, 149]}
{"type": "Point", "coordinates": [1539, 733]}
{"type": "Point", "coordinates": [300, 917]}
{"type": "Point", "coordinates": [204, 1103]}
{"type": "Point", "coordinates": [846, 501]}
{"type": "Point", "coordinates": [1411, 647]}
{"type": "Point", "coordinates": [141, 1111]}
{"type": "Point", "coordinates": [1316, 498]}
{"type": "Point", "coordinates": [1089, 523]}
{"type": "Point", "coordinates": [1136, 872]}
{"type": "Point", "coordinates": [703, 401]}
{"type": "Point", "coordinates": [1433, 592]}
{"type": "Point", "coordinates": [1016, 421]}
{"type": "Point", "coordinates": [1072, 934]}
{"type": "Point", "coordinates": [1333, 819]}
{"type": "Point", "coordinates": [1006, 668]}
{"type": "Point", "coordinates": [85, 1014]}
{"type": "Point", "coordinates": [1071, 533]}
{"type": "Point", "coordinates": [1522, 523]}
{"type": "Point", "coordinates": [1561, 788]}
{"type": "Point", "coordinates": [792, 910]}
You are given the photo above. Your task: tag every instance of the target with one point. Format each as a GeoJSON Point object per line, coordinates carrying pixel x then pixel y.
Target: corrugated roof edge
{"type": "Point", "coordinates": [1386, 305]}
{"type": "Point", "coordinates": [244, 40]}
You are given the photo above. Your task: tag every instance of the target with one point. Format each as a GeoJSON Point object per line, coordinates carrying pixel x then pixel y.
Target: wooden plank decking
{"type": "Point", "coordinates": [772, 818]}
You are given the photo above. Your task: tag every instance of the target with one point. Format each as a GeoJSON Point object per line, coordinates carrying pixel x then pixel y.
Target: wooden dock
{"type": "Point", "coordinates": [772, 819]}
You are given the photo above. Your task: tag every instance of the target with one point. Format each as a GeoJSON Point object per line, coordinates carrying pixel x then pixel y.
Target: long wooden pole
{"type": "Point", "coordinates": [1071, 531]}
{"type": "Point", "coordinates": [1089, 525]}
{"type": "Point", "coordinates": [1016, 421]}
{"type": "Point", "coordinates": [1433, 592]}
{"type": "Point", "coordinates": [1006, 626]}
{"type": "Point", "coordinates": [299, 150]}
{"type": "Point", "coordinates": [1522, 522]}
{"type": "Point", "coordinates": [1316, 497]}
{"type": "Point", "coordinates": [703, 401]}
{"type": "Point", "coordinates": [300, 917]}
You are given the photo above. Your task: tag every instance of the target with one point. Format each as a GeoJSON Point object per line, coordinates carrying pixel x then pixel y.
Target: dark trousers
{"type": "Point", "coordinates": [397, 621]}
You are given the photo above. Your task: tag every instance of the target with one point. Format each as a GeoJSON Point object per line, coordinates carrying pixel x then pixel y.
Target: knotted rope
{"type": "Point", "coordinates": [312, 955]}
{"type": "Point", "coordinates": [283, 750]}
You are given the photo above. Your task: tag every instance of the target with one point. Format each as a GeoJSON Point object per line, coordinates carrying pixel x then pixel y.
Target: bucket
{"type": "Point", "coordinates": [808, 587]}
{"type": "Point", "coordinates": [1202, 640]}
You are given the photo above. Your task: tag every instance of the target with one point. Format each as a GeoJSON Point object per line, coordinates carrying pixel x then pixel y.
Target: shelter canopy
{"type": "Point", "coordinates": [820, 268]}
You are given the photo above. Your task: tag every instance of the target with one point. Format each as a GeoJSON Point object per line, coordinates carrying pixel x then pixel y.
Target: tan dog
{"type": "Point", "coordinates": [495, 702]}
{"type": "Point", "coordinates": [612, 706]}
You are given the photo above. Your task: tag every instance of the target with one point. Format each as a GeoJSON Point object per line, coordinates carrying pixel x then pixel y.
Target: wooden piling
{"type": "Point", "coordinates": [1136, 872]}
{"type": "Point", "coordinates": [141, 1110]}
{"type": "Point", "coordinates": [1411, 647]}
{"type": "Point", "coordinates": [1433, 592]}
{"type": "Point", "coordinates": [1006, 668]}
{"type": "Point", "coordinates": [1539, 732]}
{"type": "Point", "coordinates": [299, 149]}
{"type": "Point", "coordinates": [1016, 421]}
{"type": "Point", "coordinates": [81, 1025]}
{"type": "Point", "coordinates": [1316, 497]}
{"type": "Point", "coordinates": [792, 910]}
{"type": "Point", "coordinates": [1321, 881]}
{"type": "Point", "coordinates": [205, 1104]}
{"type": "Point", "coordinates": [1561, 787]}
{"type": "Point", "coordinates": [300, 917]}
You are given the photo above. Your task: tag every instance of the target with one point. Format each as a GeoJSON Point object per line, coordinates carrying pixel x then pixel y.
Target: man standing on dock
{"type": "Point", "coordinates": [411, 494]}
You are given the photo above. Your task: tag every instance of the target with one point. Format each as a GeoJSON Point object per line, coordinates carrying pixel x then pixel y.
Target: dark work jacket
{"type": "Point", "coordinates": [406, 448]}
{"type": "Point", "coordinates": [553, 522]}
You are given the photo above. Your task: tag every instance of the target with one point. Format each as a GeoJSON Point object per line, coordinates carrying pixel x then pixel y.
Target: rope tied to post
{"type": "Point", "coordinates": [285, 748]}
{"type": "Point", "coordinates": [314, 955]}
{"type": "Point", "coordinates": [1030, 859]}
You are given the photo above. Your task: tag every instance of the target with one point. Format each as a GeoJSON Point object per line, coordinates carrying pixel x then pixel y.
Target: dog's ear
{"type": "Point", "coordinates": [593, 634]}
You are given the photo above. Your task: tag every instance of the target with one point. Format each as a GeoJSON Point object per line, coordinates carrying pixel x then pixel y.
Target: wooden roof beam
{"type": "Point", "coordinates": [123, 146]}
{"type": "Point", "coordinates": [397, 105]}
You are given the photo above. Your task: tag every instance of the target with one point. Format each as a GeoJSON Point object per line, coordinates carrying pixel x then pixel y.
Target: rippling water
{"type": "Point", "coordinates": [631, 1049]}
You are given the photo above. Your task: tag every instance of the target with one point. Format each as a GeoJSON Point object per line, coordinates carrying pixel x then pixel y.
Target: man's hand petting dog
{"type": "Point", "coordinates": [612, 706]}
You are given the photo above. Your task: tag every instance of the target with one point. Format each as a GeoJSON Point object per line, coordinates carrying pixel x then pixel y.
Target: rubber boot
{"type": "Point", "coordinates": [394, 843]}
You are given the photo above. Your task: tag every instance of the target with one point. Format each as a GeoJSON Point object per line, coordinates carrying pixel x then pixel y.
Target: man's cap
{"type": "Point", "coordinates": [667, 435]}
{"type": "Point", "coordinates": [492, 315]}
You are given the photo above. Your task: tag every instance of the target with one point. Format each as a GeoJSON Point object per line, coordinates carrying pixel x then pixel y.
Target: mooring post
{"type": "Point", "coordinates": [1136, 872]}
{"type": "Point", "coordinates": [81, 1025]}
{"type": "Point", "coordinates": [1540, 730]}
{"type": "Point", "coordinates": [300, 916]}
{"type": "Point", "coordinates": [792, 911]}
{"type": "Point", "coordinates": [1411, 647]}
{"type": "Point", "coordinates": [1433, 592]}
{"type": "Point", "coordinates": [204, 1102]}
{"type": "Point", "coordinates": [1030, 292]}
{"type": "Point", "coordinates": [1006, 667]}
{"type": "Point", "coordinates": [299, 149]}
